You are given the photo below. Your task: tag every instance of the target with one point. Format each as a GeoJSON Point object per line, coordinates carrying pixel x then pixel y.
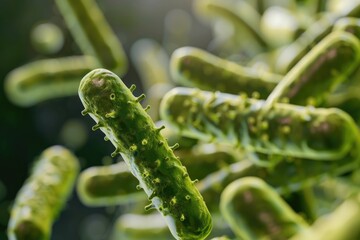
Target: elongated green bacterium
{"type": "Point", "coordinates": [254, 211]}
{"type": "Point", "coordinates": [46, 79]}
{"type": "Point", "coordinates": [43, 195]}
{"type": "Point", "coordinates": [108, 185]}
{"type": "Point", "coordinates": [319, 72]}
{"type": "Point", "coordinates": [290, 130]}
{"type": "Point", "coordinates": [93, 34]}
{"type": "Point", "coordinates": [193, 67]}
{"type": "Point", "coordinates": [160, 173]}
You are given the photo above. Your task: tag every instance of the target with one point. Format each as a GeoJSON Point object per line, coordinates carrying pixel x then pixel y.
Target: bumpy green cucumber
{"type": "Point", "coordinates": [255, 211]}
{"type": "Point", "coordinates": [46, 79]}
{"type": "Point", "coordinates": [193, 67]}
{"type": "Point", "coordinates": [93, 34]}
{"type": "Point", "coordinates": [43, 195]}
{"type": "Point", "coordinates": [160, 173]}
{"type": "Point", "coordinates": [290, 130]}
{"type": "Point", "coordinates": [108, 185]}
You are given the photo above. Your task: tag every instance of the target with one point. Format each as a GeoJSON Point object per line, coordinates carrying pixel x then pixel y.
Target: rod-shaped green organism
{"type": "Point", "coordinates": [342, 223]}
{"type": "Point", "coordinates": [93, 34]}
{"type": "Point", "coordinates": [43, 195]}
{"type": "Point", "coordinates": [193, 67]}
{"type": "Point", "coordinates": [240, 14]}
{"type": "Point", "coordinates": [255, 211]}
{"type": "Point", "coordinates": [290, 130]}
{"type": "Point", "coordinates": [160, 173]}
{"type": "Point", "coordinates": [319, 72]}
{"type": "Point", "coordinates": [46, 79]}
{"type": "Point", "coordinates": [108, 185]}
{"type": "Point", "coordinates": [294, 52]}
{"type": "Point", "coordinates": [144, 227]}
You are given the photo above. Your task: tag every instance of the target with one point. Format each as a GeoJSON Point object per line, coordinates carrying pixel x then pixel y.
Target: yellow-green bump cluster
{"type": "Point", "coordinates": [160, 173]}
{"type": "Point", "coordinates": [108, 185]}
{"type": "Point", "coordinates": [43, 195]}
{"type": "Point", "coordinates": [255, 211]}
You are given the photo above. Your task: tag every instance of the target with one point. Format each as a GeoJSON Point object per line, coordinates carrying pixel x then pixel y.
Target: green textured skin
{"type": "Point", "coordinates": [43, 195]}
{"type": "Point", "coordinates": [160, 173]}
{"type": "Point", "coordinates": [108, 185]}
{"type": "Point", "coordinates": [287, 176]}
{"type": "Point", "coordinates": [193, 67]}
{"type": "Point", "coordinates": [255, 211]}
{"type": "Point", "coordinates": [46, 79]}
{"type": "Point", "coordinates": [328, 64]}
{"type": "Point", "coordinates": [239, 13]}
{"type": "Point", "coordinates": [93, 34]}
{"type": "Point", "coordinates": [290, 130]}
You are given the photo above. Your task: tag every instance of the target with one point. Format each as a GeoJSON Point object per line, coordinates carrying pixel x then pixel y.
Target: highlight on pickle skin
{"type": "Point", "coordinates": [93, 34]}
{"type": "Point", "coordinates": [255, 211]}
{"type": "Point", "coordinates": [43, 195]}
{"type": "Point", "coordinates": [160, 173]}
{"type": "Point", "coordinates": [46, 79]}
{"type": "Point", "coordinates": [290, 130]}
{"type": "Point", "coordinates": [108, 185]}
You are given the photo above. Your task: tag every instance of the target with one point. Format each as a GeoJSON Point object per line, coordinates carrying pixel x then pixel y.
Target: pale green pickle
{"type": "Point", "coordinates": [93, 34]}
{"type": "Point", "coordinates": [319, 72]}
{"type": "Point", "coordinates": [46, 79]}
{"type": "Point", "coordinates": [43, 195]}
{"type": "Point", "coordinates": [255, 211]}
{"type": "Point", "coordinates": [193, 67]}
{"type": "Point", "coordinates": [108, 186]}
{"type": "Point", "coordinates": [160, 173]}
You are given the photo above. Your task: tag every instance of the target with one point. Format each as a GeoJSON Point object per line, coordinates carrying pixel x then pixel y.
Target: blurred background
{"type": "Point", "coordinates": [26, 131]}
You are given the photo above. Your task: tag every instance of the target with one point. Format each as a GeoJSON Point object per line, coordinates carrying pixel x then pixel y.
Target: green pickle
{"type": "Point", "coordinates": [160, 173]}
